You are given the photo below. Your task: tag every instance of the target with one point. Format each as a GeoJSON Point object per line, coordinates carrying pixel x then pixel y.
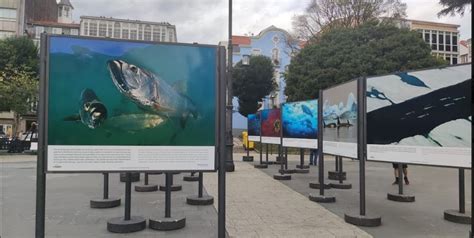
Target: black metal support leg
{"type": "Point", "coordinates": [127, 223]}
{"type": "Point", "coordinates": [146, 187]}
{"type": "Point", "coordinates": [105, 201]}
{"type": "Point", "coordinates": [174, 187]}
{"type": "Point", "coordinates": [200, 199]}
{"type": "Point", "coordinates": [261, 165]}
{"type": "Point", "coordinates": [167, 222]}
{"type": "Point", "coordinates": [341, 184]}
{"type": "Point", "coordinates": [400, 197]}
{"type": "Point", "coordinates": [247, 158]}
{"type": "Point", "coordinates": [460, 215]}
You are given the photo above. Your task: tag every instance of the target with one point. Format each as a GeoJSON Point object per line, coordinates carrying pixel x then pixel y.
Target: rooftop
{"type": "Point", "coordinates": [124, 20]}
{"type": "Point", "coordinates": [51, 23]}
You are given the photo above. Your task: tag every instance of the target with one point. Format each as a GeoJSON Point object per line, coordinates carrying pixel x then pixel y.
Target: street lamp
{"type": "Point", "coordinates": [229, 165]}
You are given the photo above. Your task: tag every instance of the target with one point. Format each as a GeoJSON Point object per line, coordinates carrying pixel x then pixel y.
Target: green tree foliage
{"type": "Point", "coordinates": [453, 6]}
{"type": "Point", "coordinates": [343, 54]}
{"type": "Point", "coordinates": [252, 82]}
{"type": "Point", "coordinates": [19, 52]}
{"type": "Point", "coordinates": [18, 91]}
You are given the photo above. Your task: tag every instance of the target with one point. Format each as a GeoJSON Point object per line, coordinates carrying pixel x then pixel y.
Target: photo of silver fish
{"type": "Point", "coordinates": [150, 92]}
{"type": "Point", "coordinates": [92, 112]}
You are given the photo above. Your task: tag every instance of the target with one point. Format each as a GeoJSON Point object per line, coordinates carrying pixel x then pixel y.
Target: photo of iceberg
{"type": "Point", "coordinates": [253, 121]}
{"type": "Point", "coordinates": [271, 124]}
{"type": "Point", "coordinates": [340, 113]}
{"type": "Point", "coordinates": [300, 119]}
{"type": "Point", "coordinates": [427, 108]}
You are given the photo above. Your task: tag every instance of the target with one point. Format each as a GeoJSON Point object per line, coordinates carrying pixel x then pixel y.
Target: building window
{"type": "Point", "coordinates": [66, 11]}
{"type": "Point", "coordinates": [427, 37]}
{"type": "Point", "coordinates": [171, 35]}
{"type": "Point", "coordinates": [6, 34]}
{"type": "Point", "coordinates": [60, 11]}
{"type": "Point", "coordinates": [140, 32]}
{"type": "Point", "coordinates": [109, 29]}
{"type": "Point", "coordinates": [455, 60]}
{"type": "Point", "coordinates": [276, 56]}
{"type": "Point", "coordinates": [57, 30]}
{"type": "Point", "coordinates": [74, 32]}
{"type": "Point", "coordinates": [66, 31]}
{"type": "Point", "coordinates": [102, 29]}
{"type": "Point", "coordinates": [8, 14]}
{"type": "Point", "coordinates": [448, 58]}
{"type": "Point", "coordinates": [235, 48]}
{"type": "Point", "coordinates": [156, 33]}
{"type": "Point", "coordinates": [86, 28]}
{"type": "Point", "coordinates": [133, 34]}
{"type": "Point", "coordinates": [116, 30]}
{"type": "Point", "coordinates": [39, 30]}
{"type": "Point", "coordinates": [93, 28]}
{"type": "Point", "coordinates": [147, 34]}
{"type": "Point", "coordinates": [124, 33]}
{"type": "Point", "coordinates": [163, 33]}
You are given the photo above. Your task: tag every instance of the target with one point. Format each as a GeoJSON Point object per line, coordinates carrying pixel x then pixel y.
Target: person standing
{"type": "Point", "coordinates": [397, 174]}
{"type": "Point", "coordinates": [313, 157]}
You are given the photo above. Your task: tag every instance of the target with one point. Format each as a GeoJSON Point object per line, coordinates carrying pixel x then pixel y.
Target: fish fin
{"type": "Point", "coordinates": [173, 139]}
{"type": "Point", "coordinates": [75, 117]}
{"type": "Point", "coordinates": [180, 86]}
{"type": "Point", "coordinates": [182, 121]}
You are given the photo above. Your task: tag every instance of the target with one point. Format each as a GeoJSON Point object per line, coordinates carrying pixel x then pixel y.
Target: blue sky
{"type": "Point", "coordinates": [206, 21]}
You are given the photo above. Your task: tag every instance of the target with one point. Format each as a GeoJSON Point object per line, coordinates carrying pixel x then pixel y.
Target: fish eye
{"type": "Point", "coordinates": [133, 68]}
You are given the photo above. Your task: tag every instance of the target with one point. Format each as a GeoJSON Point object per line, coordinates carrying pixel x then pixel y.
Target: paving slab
{"type": "Point", "coordinates": [259, 206]}
{"type": "Point", "coordinates": [435, 190]}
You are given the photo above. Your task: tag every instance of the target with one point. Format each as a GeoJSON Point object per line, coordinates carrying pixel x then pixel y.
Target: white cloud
{"type": "Point", "coordinates": [206, 21]}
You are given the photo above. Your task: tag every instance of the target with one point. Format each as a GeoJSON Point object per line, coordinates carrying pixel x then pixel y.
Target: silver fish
{"type": "Point", "coordinates": [150, 92]}
{"type": "Point", "coordinates": [92, 111]}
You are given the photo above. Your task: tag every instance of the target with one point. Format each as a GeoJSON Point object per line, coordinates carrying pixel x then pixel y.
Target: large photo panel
{"type": "Point", "coordinates": [130, 106]}
{"type": "Point", "coordinates": [253, 124]}
{"type": "Point", "coordinates": [340, 120]}
{"type": "Point", "coordinates": [300, 124]}
{"type": "Point", "coordinates": [271, 126]}
{"type": "Point", "coordinates": [421, 117]}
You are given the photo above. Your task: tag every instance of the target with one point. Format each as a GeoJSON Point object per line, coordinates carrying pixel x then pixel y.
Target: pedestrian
{"type": "Point", "coordinates": [313, 157]}
{"type": "Point", "coordinates": [396, 173]}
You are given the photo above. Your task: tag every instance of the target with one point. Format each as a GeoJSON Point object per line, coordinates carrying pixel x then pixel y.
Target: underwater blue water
{"type": "Point", "coordinates": [300, 119]}
{"type": "Point", "coordinates": [254, 124]}
{"type": "Point", "coordinates": [79, 63]}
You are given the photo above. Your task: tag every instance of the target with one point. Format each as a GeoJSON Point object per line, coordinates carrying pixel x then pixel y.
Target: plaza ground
{"type": "Point", "coordinates": [257, 205]}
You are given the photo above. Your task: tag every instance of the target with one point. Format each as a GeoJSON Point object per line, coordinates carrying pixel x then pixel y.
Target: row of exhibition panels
{"type": "Point", "coordinates": [420, 117]}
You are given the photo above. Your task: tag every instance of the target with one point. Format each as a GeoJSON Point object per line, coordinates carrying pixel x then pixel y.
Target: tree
{"type": "Point", "coordinates": [252, 82]}
{"type": "Point", "coordinates": [453, 6]}
{"type": "Point", "coordinates": [17, 92]}
{"type": "Point", "coordinates": [19, 52]}
{"type": "Point", "coordinates": [343, 54]}
{"type": "Point", "coordinates": [323, 15]}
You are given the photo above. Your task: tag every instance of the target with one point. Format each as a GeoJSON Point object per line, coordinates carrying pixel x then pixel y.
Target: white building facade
{"type": "Point", "coordinates": [127, 29]}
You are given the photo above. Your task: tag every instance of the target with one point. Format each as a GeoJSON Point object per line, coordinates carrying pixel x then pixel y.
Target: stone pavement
{"type": "Point", "coordinates": [259, 206]}
{"type": "Point", "coordinates": [435, 188]}
{"type": "Point", "coordinates": [68, 214]}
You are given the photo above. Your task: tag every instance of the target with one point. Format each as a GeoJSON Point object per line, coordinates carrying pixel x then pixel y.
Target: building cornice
{"type": "Point", "coordinates": [126, 20]}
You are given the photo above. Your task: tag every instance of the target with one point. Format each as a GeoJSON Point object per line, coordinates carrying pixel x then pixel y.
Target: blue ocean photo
{"type": "Point", "coordinates": [253, 121]}
{"type": "Point", "coordinates": [300, 119]}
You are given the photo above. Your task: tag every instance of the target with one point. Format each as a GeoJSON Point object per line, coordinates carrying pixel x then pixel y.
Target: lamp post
{"type": "Point", "coordinates": [229, 108]}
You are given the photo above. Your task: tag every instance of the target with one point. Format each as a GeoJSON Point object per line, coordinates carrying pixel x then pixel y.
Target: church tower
{"type": "Point", "coordinates": [65, 11]}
